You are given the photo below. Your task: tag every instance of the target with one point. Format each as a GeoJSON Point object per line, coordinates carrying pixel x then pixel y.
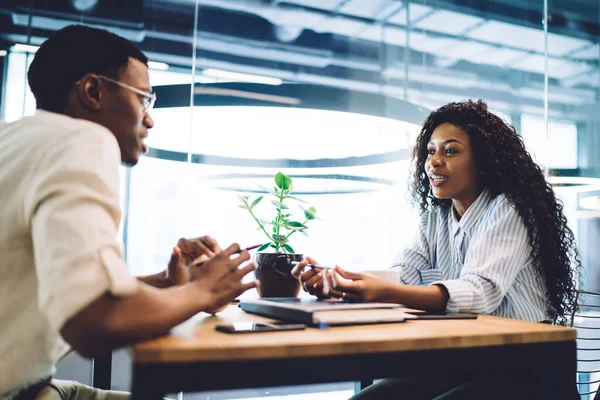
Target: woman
{"type": "Point", "coordinates": [493, 238]}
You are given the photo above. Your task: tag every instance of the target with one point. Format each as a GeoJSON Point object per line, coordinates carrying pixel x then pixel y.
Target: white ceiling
{"type": "Point", "coordinates": [454, 36]}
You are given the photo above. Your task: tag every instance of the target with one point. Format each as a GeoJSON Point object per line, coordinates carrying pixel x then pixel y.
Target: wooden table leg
{"type": "Point", "coordinates": [145, 385]}
{"type": "Point", "coordinates": [101, 371]}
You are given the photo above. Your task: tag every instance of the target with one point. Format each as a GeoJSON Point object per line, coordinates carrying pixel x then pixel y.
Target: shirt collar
{"type": "Point", "coordinates": [473, 213]}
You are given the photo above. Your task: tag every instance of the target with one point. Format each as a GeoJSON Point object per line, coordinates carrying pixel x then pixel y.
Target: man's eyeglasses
{"type": "Point", "coordinates": [149, 98]}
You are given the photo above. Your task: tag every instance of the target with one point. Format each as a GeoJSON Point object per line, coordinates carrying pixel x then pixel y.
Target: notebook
{"type": "Point", "coordinates": [319, 312]}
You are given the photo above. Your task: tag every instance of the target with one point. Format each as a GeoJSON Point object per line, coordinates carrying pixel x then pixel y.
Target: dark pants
{"type": "Point", "coordinates": [513, 386]}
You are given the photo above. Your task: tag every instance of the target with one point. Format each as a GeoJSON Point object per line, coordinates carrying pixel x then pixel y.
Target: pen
{"type": "Point", "coordinates": [314, 265]}
{"type": "Point", "coordinates": [199, 264]}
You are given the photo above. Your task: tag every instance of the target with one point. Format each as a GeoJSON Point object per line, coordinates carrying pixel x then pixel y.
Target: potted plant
{"type": "Point", "coordinates": [273, 269]}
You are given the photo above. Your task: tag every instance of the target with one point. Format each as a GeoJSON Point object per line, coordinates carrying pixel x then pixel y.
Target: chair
{"type": "Point", "coordinates": [586, 319]}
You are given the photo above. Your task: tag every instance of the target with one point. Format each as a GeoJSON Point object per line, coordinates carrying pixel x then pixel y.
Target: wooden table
{"type": "Point", "coordinates": [195, 357]}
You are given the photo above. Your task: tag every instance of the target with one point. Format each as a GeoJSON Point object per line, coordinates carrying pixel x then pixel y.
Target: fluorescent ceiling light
{"type": "Point", "coordinates": [590, 203]}
{"type": "Point", "coordinates": [237, 76]}
{"type": "Point", "coordinates": [25, 48]}
{"type": "Point", "coordinates": [578, 184]}
{"type": "Point", "coordinates": [215, 91]}
{"type": "Point", "coordinates": [3, 53]}
{"type": "Point", "coordinates": [160, 66]}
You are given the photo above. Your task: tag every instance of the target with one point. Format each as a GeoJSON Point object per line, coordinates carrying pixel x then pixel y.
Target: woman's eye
{"type": "Point", "coordinates": [451, 151]}
{"type": "Point", "coordinates": [430, 152]}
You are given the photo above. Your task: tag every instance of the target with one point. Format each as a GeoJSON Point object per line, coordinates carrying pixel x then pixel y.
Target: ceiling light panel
{"type": "Point", "coordinates": [589, 52]}
{"type": "Point", "coordinates": [525, 38]}
{"type": "Point", "coordinates": [499, 56]}
{"type": "Point", "coordinates": [344, 26]}
{"type": "Point", "coordinates": [321, 4]}
{"type": "Point", "coordinates": [417, 11]}
{"type": "Point", "coordinates": [464, 50]}
{"type": "Point", "coordinates": [369, 9]}
{"type": "Point", "coordinates": [430, 44]}
{"type": "Point", "coordinates": [387, 34]}
{"type": "Point", "coordinates": [449, 22]}
{"type": "Point", "coordinates": [510, 35]}
{"type": "Point", "coordinates": [556, 68]}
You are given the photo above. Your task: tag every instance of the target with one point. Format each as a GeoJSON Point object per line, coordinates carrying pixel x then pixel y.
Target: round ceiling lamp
{"type": "Point", "coordinates": [84, 5]}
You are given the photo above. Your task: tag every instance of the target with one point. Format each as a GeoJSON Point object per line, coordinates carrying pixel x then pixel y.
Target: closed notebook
{"type": "Point", "coordinates": [317, 312]}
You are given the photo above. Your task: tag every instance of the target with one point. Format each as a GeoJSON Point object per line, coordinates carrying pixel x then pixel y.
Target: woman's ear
{"type": "Point", "coordinates": [89, 93]}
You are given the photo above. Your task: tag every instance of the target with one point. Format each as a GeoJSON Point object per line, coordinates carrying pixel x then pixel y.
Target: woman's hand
{"type": "Point", "coordinates": [311, 280]}
{"type": "Point", "coordinates": [354, 286]}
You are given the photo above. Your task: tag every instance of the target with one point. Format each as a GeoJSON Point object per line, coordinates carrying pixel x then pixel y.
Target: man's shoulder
{"type": "Point", "coordinates": [47, 130]}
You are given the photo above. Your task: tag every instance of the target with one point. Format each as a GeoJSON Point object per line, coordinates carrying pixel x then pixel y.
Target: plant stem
{"type": "Point", "coordinates": [279, 222]}
{"type": "Point", "coordinates": [258, 222]}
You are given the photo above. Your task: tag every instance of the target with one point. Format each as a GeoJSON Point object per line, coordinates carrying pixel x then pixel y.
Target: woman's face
{"type": "Point", "coordinates": [451, 167]}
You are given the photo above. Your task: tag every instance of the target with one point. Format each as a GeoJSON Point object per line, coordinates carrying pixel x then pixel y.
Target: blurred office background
{"type": "Point", "coordinates": [331, 92]}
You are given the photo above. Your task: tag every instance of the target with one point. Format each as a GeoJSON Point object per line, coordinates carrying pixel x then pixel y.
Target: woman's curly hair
{"type": "Point", "coordinates": [507, 168]}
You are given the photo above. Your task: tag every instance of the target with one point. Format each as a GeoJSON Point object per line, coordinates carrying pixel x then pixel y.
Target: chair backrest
{"type": "Point", "coordinates": [586, 319]}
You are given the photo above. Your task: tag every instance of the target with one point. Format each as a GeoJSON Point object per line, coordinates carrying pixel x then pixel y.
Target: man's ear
{"type": "Point", "coordinates": [89, 93]}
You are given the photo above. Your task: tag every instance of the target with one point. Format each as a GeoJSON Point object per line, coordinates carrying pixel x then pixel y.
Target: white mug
{"type": "Point", "coordinates": [389, 275]}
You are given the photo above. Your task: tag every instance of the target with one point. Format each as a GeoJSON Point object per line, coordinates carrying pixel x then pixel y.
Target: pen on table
{"type": "Point", "coordinates": [199, 264]}
{"type": "Point", "coordinates": [315, 265]}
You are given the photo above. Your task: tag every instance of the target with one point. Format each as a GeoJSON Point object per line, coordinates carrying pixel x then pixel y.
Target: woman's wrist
{"type": "Point", "coordinates": [390, 293]}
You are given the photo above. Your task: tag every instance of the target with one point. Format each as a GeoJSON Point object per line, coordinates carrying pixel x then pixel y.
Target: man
{"type": "Point", "coordinates": [63, 280]}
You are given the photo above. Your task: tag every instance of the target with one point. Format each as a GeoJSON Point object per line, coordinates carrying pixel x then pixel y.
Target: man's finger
{"type": "Point", "coordinates": [202, 259]}
{"type": "Point", "coordinates": [249, 285]}
{"type": "Point", "coordinates": [210, 243]}
{"type": "Point", "coordinates": [201, 248]}
{"type": "Point", "coordinates": [247, 269]}
{"type": "Point", "coordinates": [243, 257]}
{"type": "Point", "coordinates": [175, 257]}
{"type": "Point", "coordinates": [232, 249]}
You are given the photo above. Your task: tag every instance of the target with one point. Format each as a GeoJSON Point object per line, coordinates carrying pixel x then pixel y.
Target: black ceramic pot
{"type": "Point", "coordinates": [274, 272]}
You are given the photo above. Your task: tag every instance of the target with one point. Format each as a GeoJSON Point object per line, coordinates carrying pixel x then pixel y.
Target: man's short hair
{"type": "Point", "coordinates": [71, 53]}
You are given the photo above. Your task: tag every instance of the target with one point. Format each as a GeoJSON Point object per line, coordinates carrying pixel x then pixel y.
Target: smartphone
{"type": "Point", "coordinates": [251, 327]}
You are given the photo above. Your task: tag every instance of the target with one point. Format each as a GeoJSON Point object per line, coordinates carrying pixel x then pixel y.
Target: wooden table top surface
{"type": "Point", "coordinates": [197, 340]}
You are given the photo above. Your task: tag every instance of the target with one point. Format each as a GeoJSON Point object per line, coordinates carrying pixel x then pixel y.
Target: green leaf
{"type": "Point", "coordinates": [273, 245]}
{"type": "Point", "coordinates": [304, 233]}
{"type": "Point", "coordinates": [288, 248]}
{"type": "Point", "coordinates": [279, 205]}
{"type": "Point", "coordinates": [255, 202]}
{"type": "Point", "coordinates": [245, 207]}
{"type": "Point", "coordinates": [283, 181]}
{"type": "Point", "coordinates": [244, 199]}
{"type": "Point", "coordinates": [264, 246]}
{"type": "Point", "coordinates": [280, 239]}
{"type": "Point", "coordinates": [295, 226]}
{"type": "Point", "coordinates": [265, 222]}
{"type": "Point", "coordinates": [310, 213]}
